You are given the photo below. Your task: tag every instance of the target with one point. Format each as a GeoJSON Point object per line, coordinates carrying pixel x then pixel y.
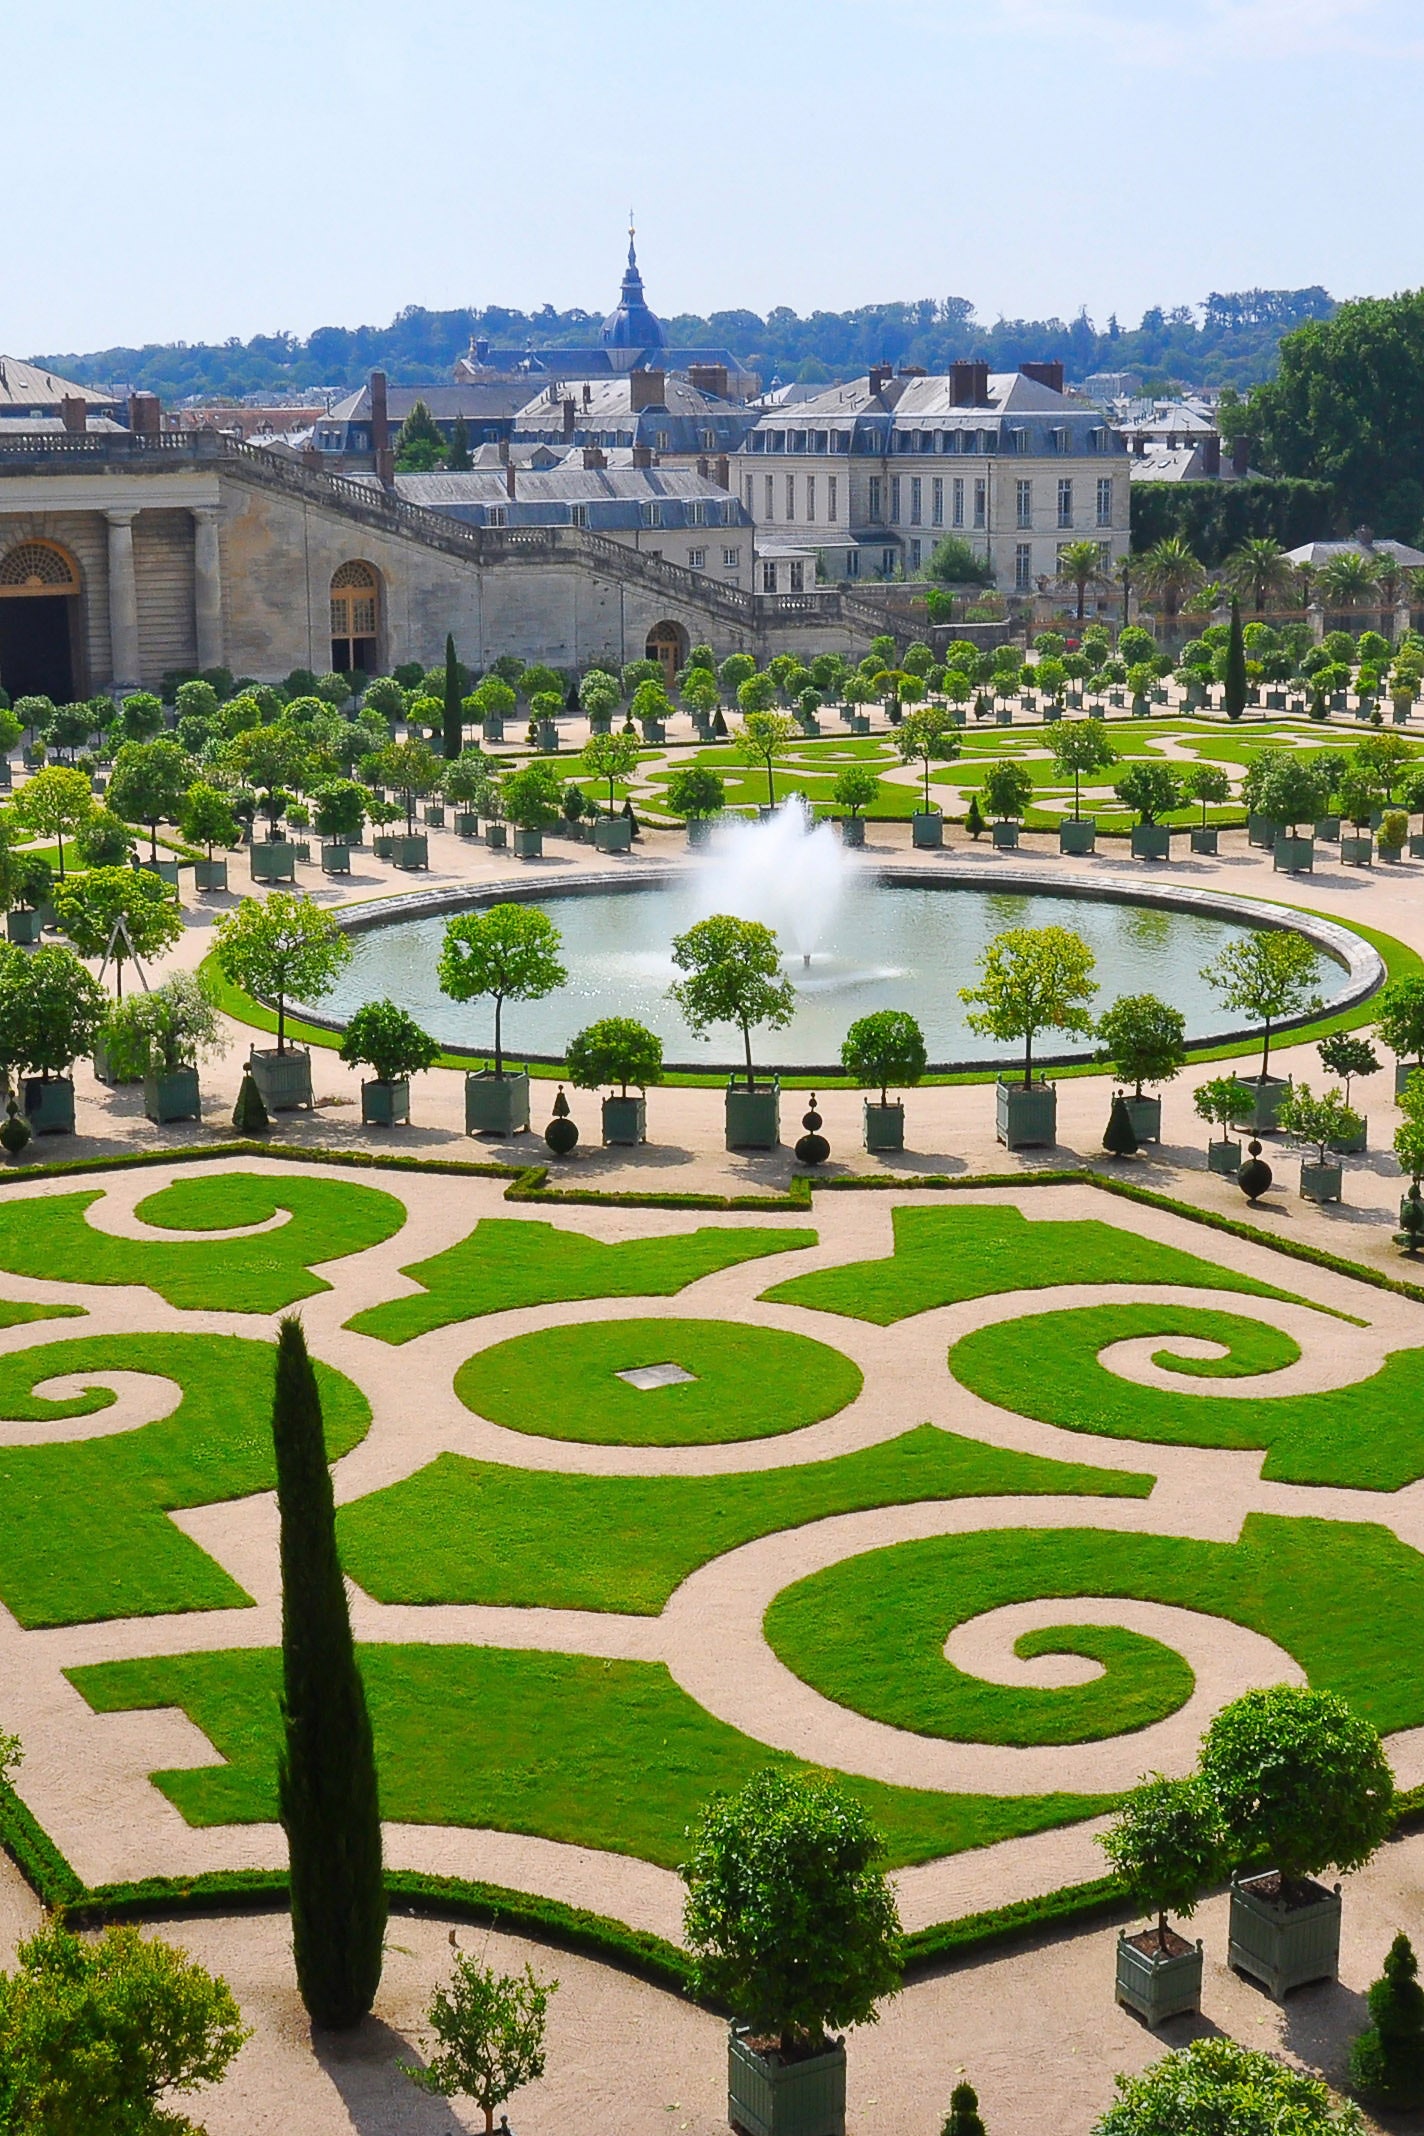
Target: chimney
{"type": "Point", "coordinates": [509, 478]}
{"type": "Point", "coordinates": [642, 455]}
{"type": "Point", "coordinates": [723, 471]}
{"type": "Point", "coordinates": [702, 467]}
{"type": "Point", "coordinates": [145, 414]}
{"type": "Point", "coordinates": [1044, 374]}
{"type": "Point", "coordinates": [709, 378]}
{"type": "Point", "coordinates": [646, 389]}
{"type": "Point", "coordinates": [1211, 455]}
{"type": "Point", "coordinates": [570, 411]}
{"type": "Point", "coordinates": [968, 384]}
{"type": "Point", "coordinates": [592, 457]}
{"type": "Point", "coordinates": [880, 377]}
{"type": "Point", "coordinates": [587, 394]}
{"type": "Point", "coordinates": [504, 452]}
{"type": "Point", "coordinates": [381, 432]}
{"type": "Point", "coordinates": [74, 412]}
{"type": "Point", "coordinates": [1241, 455]}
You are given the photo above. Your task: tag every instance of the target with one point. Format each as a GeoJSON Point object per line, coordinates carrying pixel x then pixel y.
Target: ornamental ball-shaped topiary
{"type": "Point", "coordinates": [1302, 1782]}
{"type": "Point", "coordinates": [1387, 2059]}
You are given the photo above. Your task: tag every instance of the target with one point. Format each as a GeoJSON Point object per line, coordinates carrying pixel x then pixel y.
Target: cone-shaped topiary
{"type": "Point", "coordinates": [1233, 696]}
{"type": "Point", "coordinates": [249, 1115]}
{"type": "Point", "coordinates": [974, 817]}
{"type": "Point", "coordinates": [963, 2118]}
{"type": "Point", "coordinates": [1387, 2061]}
{"type": "Point", "coordinates": [1119, 1136]}
{"type": "Point", "coordinates": [326, 1771]}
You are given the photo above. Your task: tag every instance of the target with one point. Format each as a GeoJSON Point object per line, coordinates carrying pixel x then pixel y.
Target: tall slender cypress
{"type": "Point", "coordinates": [1233, 696]}
{"type": "Point", "coordinates": [454, 708]}
{"type": "Point", "coordinates": [327, 1768]}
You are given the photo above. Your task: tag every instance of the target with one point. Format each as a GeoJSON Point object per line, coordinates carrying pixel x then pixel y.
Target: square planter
{"type": "Point", "coordinates": [612, 834]}
{"type": "Point", "coordinates": [105, 1071]}
{"type": "Point", "coordinates": [410, 850]}
{"type": "Point", "coordinates": [1077, 834]}
{"type": "Point", "coordinates": [809, 723]}
{"type": "Point", "coordinates": [548, 737]}
{"type": "Point", "coordinates": [625, 1121]}
{"type": "Point", "coordinates": [1158, 1986]}
{"type": "Point", "coordinates": [283, 1079]}
{"type": "Point", "coordinates": [701, 726]}
{"type": "Point", "coordinates": [48, 1105]}
{"type": "Point", "coordinates": [1400, 714]}
{"type": "Point", "coordinates": [1205, 841]}
{"type": "Point", "coordinates": [1403, 1070]}
{"type": "Point", "coordinates": [1321, 1182]}
{"type": "Point", "coordinates": [165, 870]}
{"type": "Point", "coordinates": [435, 815]}
{"type": "Point", "coordinates": [210, 875]}
{"type": "Point", "coordinates": [1052, 714]}
{"type": "Point", "coordinates": [467, 823]}
{"type": "Point", "coordinates": [1025, 1119]}
{"type": "Point", "coordinates": [769, 2097]}
{"type": "Point", "coordinates": [1150, 841]}
{"type": "Point", "coordinates": [174, 1096]}
{"type": "Point", "coordinates": [1283, 1947]}
{"type": "Point", "coordinates": [497, 836]}
{"type": "Point", "coordinates": [492, 728]}
{"type": "Point", "coordinates": [496, 1104]}
{"type": "Point", "coordinates": [654, 731]}
{"type": "Point", "coordinates": [1293, 856]}
{"type": "Point", "coordinates": [22, 925]}
{"type": "Point", "coordinates": [883, 1125]}
{"type": "Point", "coordinates": [699, 831]}
{"type": "Point", "coordinates": [1356, 849]}
{"type": "Point", "coordinates": [273, 861]}
{"type": "Point", "coordinates": [927, 829]}
{"type": "Point", "coordinates": [7, 777]}
{"type": "Point", "coordinates": [602, 723]}
{"type": "Point", "coordinates": [1146, 1117]}
{"type": "Point", "coordinates": [1005, 836]}
{"type": "Point", "coordinates": [1003, 716]}
{"type": "Point", "coordinates": [958, 717]}
{"type": "Point", "coordinates": [1388, 852]}
{"type": "Point", "coordinates": [860, 723]}
{"type": "Point", "coordinates": [1224, 1157]}
{"type": "Point", "coordinates": [753, 1117]}
{"type": "Point", "coordinates": [1328, 828]}
{"type": "Point", "coordinates": [335, 859]}
{"type": "Point", "coordinates": [1268, 1092]}
{"type": "Point", "coordinates": [1262, 831]}
{"type": "Point", "coordinates": [853, 830]}
{"type": "Point", "coordinates": [386, 1104]}
{"type": "Point", "coordinates": [529, 845]}
{"type": "Point", "coordinates": [1416, 846]}
{"type": "Point", "coordinates": [1352, 1145]}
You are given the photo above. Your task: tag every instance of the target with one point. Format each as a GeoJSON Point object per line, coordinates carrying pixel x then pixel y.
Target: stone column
{"type": "Point", "coordinates": [207, 586]}
{"type": "Point", "coordinates": [123, 602]}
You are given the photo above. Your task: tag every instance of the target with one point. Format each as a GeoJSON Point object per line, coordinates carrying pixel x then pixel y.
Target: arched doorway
{"type": "Point", "coordinates": [667, 643]}
{"type": "Point", "coordinates": [39, 607]}
{"type": "Point", "coordinates": [356, 620]}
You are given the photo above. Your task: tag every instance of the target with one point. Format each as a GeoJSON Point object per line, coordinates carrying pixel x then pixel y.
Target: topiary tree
{"type": "Point", "coordinates": [281, 945]}
{"type": "Point", "coordinates": [453, 723]}
{"type": "Point", "coordinates": [611, 757]}
{"type": "Point", "coordinates": [470, 782]}
{"type": "Point", "coordinates": [104, 840]}
{"type": "Point", "coordinates": [1149, 789]}
{"type": "Point", "coordinates": [616, 1049]}
{"type": "Point", "coordinates": [339, 809]}
{"type": "Point", "coordinates": [857, 785]}
{"type": "Point", "coordinates": [1292, 792]}
{"type": "Point", "coordinates": [509, 952]}
{"type": "Point", "coordinates": [490, 2027]}
{"type": "Point", "coordinates": [1301, 1781]}
{"type": "Point", "coordinates": [207, 817]}
{"type": "Point", "coordinates": [412, 768]}
{"type": "Point", "coordinates": [1319, 1123]}
{"type": "Point", "coordinates": [55, 803]}
{"type": "Point", "coordinates": [885, 1047]}
{"type": "Point", "coordinates": [736, 669]}
{"type": "Point", "coordinates": [763, 736]}
{"type": "Point", "coordinates": [170, 1027]}
{"type": "Point", "coordinates": [734, 976]}
{"type": "Point", "coordinates": [50, 1011]}
{"type": "Point", "coordinates": [1223, 1100]}
{"type": "Point", "coordinates": [1206, 783]}
{"type": "Point", "coordinates": [696, 790]}
{"type": "Point", "coordinates": [963, 2118]}
{"type": "Point", "coordinates": [1272, 974]}
{"type": "Point", "coordinates": [139, 718]}
{"type": "Point", "coordinates": [383, 1036]}
{"type": "Point", "coordinates": [1144, 1038]}
{"type": "Point", "coordinates": [118, 913]}
{"type": "Point", "coordinates": [531, 795]}
{"type": "Point", "coordinates": [1080, 746]}
{"type": "Point", "coordinates": [149, 782]}
{"type": "Point", "coordinates": [1212, 2087]}
{"type": "Point", "coordinates": [1387, 2060]}
{"type": "Point", "coordinates": [790, 1920]}
{"type": "Point", "coordinates": [1034, 979]}
{"type": "Point", "coordinates": [1006, 789]}
{"type": "Point", "coordinates": [1166, 1847]}
{"type": "Point", "coordinates": [1400, 1018]}
{"type": "Point", "coordinates": [1347, 1054]}
{"type": "Point", "coordinates": [697, 687]}
{"type": "Point", "coordinates": [925, 737]}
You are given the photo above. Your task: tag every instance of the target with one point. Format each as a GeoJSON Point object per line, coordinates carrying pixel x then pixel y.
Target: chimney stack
{"type": "Point", "coordinates": [723, 471]}
{"type": "Point", "coordinates": [503, 450]}
{"type": "Point", "coordinates": [880, 377]}
{"type": "Point", "coordinates": [642, 455]}
{"type": "Point", "coordinates": [570, 412]}
{"type": "Point", "coordinates": [74, 412]}
{"type": "Point", "coordinates": [1211, 455]}
{"type": "Point", "coordinates": [587, 394]}
{"type": "Point", "coordinates": [708, 378]}
{"type": "Point", "coordinates": [968, 384]}
{"type": "Point", "coordinates": [593, 458]}
{"type": "Point", "coordinates": [1044, 374]}
{"type": "Point", "coordinates": [509, 479]}
{"type": "Point", "coordinates": [381, 432]}
{"type": "Point", "coordinates": [1241, 455]}
{"type": "Point", "coordinates": [145, 414]}
{"type": "Point", "coordinates": [646, 389]}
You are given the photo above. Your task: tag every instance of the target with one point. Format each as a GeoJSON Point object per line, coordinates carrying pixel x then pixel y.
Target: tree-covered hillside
{"type": "Point", "coordinates": [1231, 339]}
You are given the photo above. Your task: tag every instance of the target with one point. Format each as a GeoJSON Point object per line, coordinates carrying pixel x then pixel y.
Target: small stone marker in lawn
{"type": "Point", "coordinates": [645, 1377]}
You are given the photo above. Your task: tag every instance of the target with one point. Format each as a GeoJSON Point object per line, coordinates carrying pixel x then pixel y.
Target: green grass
{"type": "Point", "coordinates": [478, 1531]}
{"type": "Point", "coordinates": [1369, 1436]}
{"type": "Point", "coordinates": [747, 1382]}
{"type": "Point", "coordinates": [943, 1256]}
{"type": "Point", "coordinates": [1344, 1599]}
{"type": "Point", "coordinates": [14, 1314]}
{"type": "Point", "coordinates": [609, 1754]}
{"type": "Point", "coordinates": [84, 1528]}
{"type": "Point", "coordinates": [507, 1262]}
{"type": "Point", "coordinates": [48, 1237]}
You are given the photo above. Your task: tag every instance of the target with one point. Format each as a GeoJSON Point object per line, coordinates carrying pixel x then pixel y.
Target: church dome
{"type": "Point", "coordinates": [632, 325]}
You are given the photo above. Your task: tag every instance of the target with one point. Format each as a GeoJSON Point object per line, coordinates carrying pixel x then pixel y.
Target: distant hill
{"type": "Point", "coordinates": [1232, 339]}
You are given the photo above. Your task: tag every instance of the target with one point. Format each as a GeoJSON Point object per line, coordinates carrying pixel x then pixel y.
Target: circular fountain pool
{"type": "Point", "coordinates": [899, 941]}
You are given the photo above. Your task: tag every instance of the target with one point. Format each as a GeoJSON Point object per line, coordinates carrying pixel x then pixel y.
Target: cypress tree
{"type": "Point", "coordinates": [1387, 2061]}
{"type": "Point", "coordinates": [327, 1769]}
{"type": "Point", "coordinates": [457, 452]}
{"type": "Point", "coordinates": [454, 733]}
{"type": "Point", "coordinates": [963, 2119]}
{"type": "Point", "coordinates": [1234, 693]}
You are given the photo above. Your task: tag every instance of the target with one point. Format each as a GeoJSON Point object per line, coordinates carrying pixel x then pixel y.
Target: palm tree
{"type": "Point", "coordinates": [1348, 579]}
{"type": "Point", "coordinates": [1169, 571]}
{"type": "Point", "coordinates": [1259, 568]}
{"type": "Point", "coordinates": [1080, 565]}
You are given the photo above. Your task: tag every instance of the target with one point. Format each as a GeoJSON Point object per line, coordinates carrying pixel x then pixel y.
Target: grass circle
{"type": "Point", "coordinates": [747, 1382]}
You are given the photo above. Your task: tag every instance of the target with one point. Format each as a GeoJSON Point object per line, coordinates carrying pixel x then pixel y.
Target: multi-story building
{"type": "Point", "coordinates": [863, 480]}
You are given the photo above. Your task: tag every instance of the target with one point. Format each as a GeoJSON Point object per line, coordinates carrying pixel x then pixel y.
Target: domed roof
{"type": "Point", "coordinates": [632, 325]}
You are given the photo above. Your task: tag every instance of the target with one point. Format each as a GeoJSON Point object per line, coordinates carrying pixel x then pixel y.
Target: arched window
{"type": "Point", "coordinates": [37, 567]}
{"type": "Point", "coordinates": [667, 642]}
{"type": "Point", "coordinates": [355, 619]}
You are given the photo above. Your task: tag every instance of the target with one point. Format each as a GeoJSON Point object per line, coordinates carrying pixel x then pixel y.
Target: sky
{"type": "Point", "coordinates": [189, 173]}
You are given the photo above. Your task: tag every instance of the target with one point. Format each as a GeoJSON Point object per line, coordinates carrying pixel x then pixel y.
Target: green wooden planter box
{"type": "Point", "coordinates": [1206, 841]}
{"type": "Point", "coordinates": [1388, 852]}
{"type": "Point", "coordinates": [1224, 1157]}
{"type": "Point", "coordinates": [1293, 856]}
{"type": "Point", "coordinates": [1052, 714]}
{"type": "Point", "coordinates": [1025, 1119]}
{"type": "Point", "coordinates": [1352, 1145]}
{"type": "Point", "coordinates": [548, 735]}
{"type": "Point", "coordinates": [853, 830]}
{"type": "Point", "coordinates": [809, 723]}
{"type": "Point", "coordinates": [1321, 1182]}
{"type": "Point", "coordinates": [654, 731]}
{"type": "Point", "coordinates": [752, 1118]}
{"type": "Point", "coordinates": [1283, 1948]}
{"type": "Point", "coordinates": [1403, 1070]}
{"type": "Point", "coordinates": [701, 726]}
{"type": "Point", "coordinates": [48, 1104]}
{"type": "Point", "coordinates": [699, 831]}
{"type": "Point", "coordinates": [1158, 1988]}
{"type": "Point", "coordinates": [174, 1096]}
{"type": "Point", "coordinates": [1003, 715]}
{"type": "Point", "coordinates": [602, 723]}
{"type": "Point", "coordinates": [22, 925]}
{"type": "Point", "coordinates": [1005, 836]}
{"type": "Point", "coordinates": [105, 1071]}
{"type": "Point", "coordinates": [165, 870]}
{"type": "Point", "coordinates": [1328, 828]}
{"type": "Point", "coordinates": [1268, 1093]}
{"type": "Point", "coordinates": [860, 723]}
{"type": "Point", "coordinates": [1077, 834]}
{"type": "Point", "coordinates": [625, 1121]}
{"type": "Point", "coordinates": [1356, 849]}
{"type": "Point", "coordinates": [335, 859]}
{"type": "Point", "coordinates": [497, 837]}
{"type": "Point", "coordinates": [612, 834]}
{"type": "Point", "coordinates": [496, 1104]}
{"type": "Point", "coordinates": [467, 823]}
{"type": "Point", "coordinates": [1400, 714]}
{"type": "Point", "coordinates": [492, 728]}
{"type": "Point", "coordinates": [883, 1126]}
{"type": "Point", "coordinates": [958, 717]}
{"type": "Point", "coordinates": [273, 861]}
{"type": "Point", "coordinates": [210, 875]}
{"type": "Point", "coordinates": [1416, 845]}
{"type": "Point", "coordinates": [284, 1079]}
{"type": "Point", "coordinates": [1150, 841]}
{"type": "Point", "coordinates": [1146, 1117]}
{"type": "Point", "coordinates": [927, 829]}
{"type": "Point", "coordinates": [528, 845]}
{"type": "Point", "coordinates": [435, 815]}
{"type": "Point", "coordinates": [410, 850]}
{"type": "Point", "coordinates": [386, 1104]}
{"type": "Point", "coordinates": [1262, 831]}
{"type": "Point", "coordinates": [768, 2097]}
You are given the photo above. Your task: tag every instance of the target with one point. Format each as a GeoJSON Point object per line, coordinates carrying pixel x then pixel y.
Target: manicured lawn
{"type": "Point", "coordinates": [944, 1255]}
{"type": "Point", "coordinates": [608, 1754]}
{"type": "Point", "coordinates": [1346, 1600]}
{"type": "Point", "coordinates": [747, 1382]}
{"type": "Point", "coordinates": [48, 1237]}
{"type": "Point", "coordinates": [14, 1314]}
{"type": "Point", "coordinates": [511, 1261]}
{"type": "Point", "coordinates": [84, 1532]}
{"type": "Point", "coordinates": [477, 1531]}
{"type": "Point", "coordinates": [1369, 1436]}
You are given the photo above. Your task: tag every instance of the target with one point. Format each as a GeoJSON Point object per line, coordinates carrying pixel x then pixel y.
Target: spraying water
{"type": "Point", "coordinates": [781, 871]}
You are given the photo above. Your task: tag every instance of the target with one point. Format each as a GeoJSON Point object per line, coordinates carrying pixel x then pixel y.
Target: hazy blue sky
{"type": "Point", "coordinates": [183, 172]}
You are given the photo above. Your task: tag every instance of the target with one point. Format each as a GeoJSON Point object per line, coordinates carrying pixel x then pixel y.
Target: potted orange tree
{"type": "Point", "coordinates": [617, 1049]}
{"type": "Point", "coordinates": [510, 953]}
{"type": "Point", "coordinates": [386, 1037]}
{"type": "Point", "coordinates": [1268, 977]}
{"type": "Point", "coordinates": [733, 975]}
{"type": "Point", "coordinates": [885, 1047]}
{"type": "Point", "coordinates": [1034, 979]}
{"type": "Point", "coordinates": [1145, 1039]}
{"type": "Point", "coordinates": [1165, 1847]}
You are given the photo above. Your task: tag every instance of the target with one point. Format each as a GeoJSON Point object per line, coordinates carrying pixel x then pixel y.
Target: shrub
{"type": "Point", "coordinates": [1213, 2087]}
{"type": "Point", "coordinates": [1301, 1781]}
{"type": "Point", "coordinates": [1387, 2060]}
{"type": "Point", "coordinates": [885, 1047]}
{"type": "Point", "coordinates": [1144, 1038]}
{"type": "Point", "coordinates": [696, 790]}
{"type": "Point", "coordinates": [616, 1049]}
{"type": "Point", "coordinates": [384, 1036]}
